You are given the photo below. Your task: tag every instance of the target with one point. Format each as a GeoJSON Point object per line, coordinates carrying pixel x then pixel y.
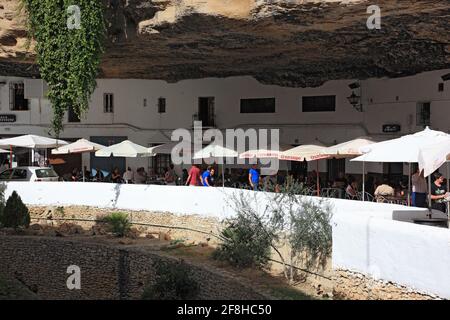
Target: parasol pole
{"type": "Point", "coordinates": [364, 182]}
{"type": "Point", "coordinates": [429, 193]}
{"type": "Point", "coordinates": [223, 174]}
{"type": "Point", "coordinates": [10, 156]}
{"type": "Point", "coordinates": [409, 184]}
{"type": "Point", "coordinates": [317, 178]}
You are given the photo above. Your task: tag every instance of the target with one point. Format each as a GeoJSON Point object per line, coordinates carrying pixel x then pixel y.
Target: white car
{"type": "Point", "coordinates": [29, 174]}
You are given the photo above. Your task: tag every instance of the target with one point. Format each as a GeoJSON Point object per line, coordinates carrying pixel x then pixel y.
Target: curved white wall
{"type": "Point", "coordinates": [412, 255]}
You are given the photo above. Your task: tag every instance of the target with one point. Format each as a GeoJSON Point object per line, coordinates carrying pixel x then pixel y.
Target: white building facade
{"type": "Point", "coordinates": [147, 111]}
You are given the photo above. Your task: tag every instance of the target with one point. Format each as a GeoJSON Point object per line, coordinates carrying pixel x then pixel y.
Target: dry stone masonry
{"type": "Point", "coordinates": [107, 271]}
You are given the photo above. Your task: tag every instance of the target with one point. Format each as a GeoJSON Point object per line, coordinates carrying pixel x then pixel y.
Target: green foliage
{"type": "Point", "coordinates": [173, 282]}
{"type": "Point", "coordinates": [68, 59]}
{"type": "Point", "coordinates": [244, 243]}
{"type": "Point", "coordinates": [119, 223]}
{"type": "Point", "coordinates": [309, 223]}
{"type": "Point", "coordinates": [15, 213]}
{"type": "Point", "coordinates": [297, 228]}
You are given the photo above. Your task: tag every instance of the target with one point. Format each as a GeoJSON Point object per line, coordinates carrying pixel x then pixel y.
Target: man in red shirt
{"type": "Point", "coordinates": [194, 176]}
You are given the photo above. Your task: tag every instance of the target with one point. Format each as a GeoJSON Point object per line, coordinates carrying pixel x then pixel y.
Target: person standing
{"type": "Point", "coordinates": [194, 176]}
{"type": "Point", "coordinates": [419, 189]}
{"type": "Point", "coordinates": [253, 177]}
{"type": "Point", "coordinates": [207, 177]}
{"type": "Point", "coordinates": [438, 193]}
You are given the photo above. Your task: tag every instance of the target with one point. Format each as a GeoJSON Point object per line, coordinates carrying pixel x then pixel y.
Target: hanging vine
{"type": "Point", "coordinates": [68, 51]}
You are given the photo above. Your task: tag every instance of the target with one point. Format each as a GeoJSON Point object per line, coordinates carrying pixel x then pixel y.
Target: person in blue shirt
{"type": "Point", "coordinates": [207, 177]}
{"type": "Point", "coordinates": [253, 177]}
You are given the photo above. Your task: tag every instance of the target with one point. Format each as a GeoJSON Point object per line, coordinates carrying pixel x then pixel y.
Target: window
{"type": "Point", "coordinates": [423, 114]}
{"type": "Point", "coordinates": [5, 175]}
{"type": "Point", "coordinates": [46, 173]}
{"type": "Point", "coordinates": [72, 115]}
{"type": "Point", "coordinates": [441, 87]}
{"type": "Point", "coordinates": [261, 105]}
{"type": "Point", "coordinates": [19, 174]}
{"type": "Point", "coordinates": [161, 105]}
{"type": "Point", "coordinates": [108, 103]}
{"type": "Point", "coordinates": [319, 104]}
{"type": "Point", "coordinates": [17, 101]}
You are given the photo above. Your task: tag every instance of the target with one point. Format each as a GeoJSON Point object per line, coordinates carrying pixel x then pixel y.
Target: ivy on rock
{"type": "Point", "coordinates": [68, 58]}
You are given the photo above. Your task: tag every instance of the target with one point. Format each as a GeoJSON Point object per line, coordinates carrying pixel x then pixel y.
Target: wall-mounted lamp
{"type": "Point", "coordinates": [355, 101]}
{"type": "Point", "coordinates": [355, 98]}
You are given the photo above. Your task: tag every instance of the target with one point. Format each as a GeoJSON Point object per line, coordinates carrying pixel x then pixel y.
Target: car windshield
{"type": "Point", "coordinates": [46, 173]}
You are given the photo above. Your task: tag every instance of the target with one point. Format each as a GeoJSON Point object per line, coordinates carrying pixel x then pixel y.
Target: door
{"type": "Point", "coordinates": [335, 166]}
{"type": "Point", "coordinates": [206, 111]}
{"type": "Point", "coordinates": [108, 164]}
{"type": "Point", "coordinates": [299, 168]}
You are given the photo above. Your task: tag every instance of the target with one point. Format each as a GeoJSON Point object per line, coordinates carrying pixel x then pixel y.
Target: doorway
{"type": "Point", "coordinates": [206, 111]}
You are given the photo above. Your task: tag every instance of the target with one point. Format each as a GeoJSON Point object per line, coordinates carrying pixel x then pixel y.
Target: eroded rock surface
{"type": "Point", "coordinates": [284, 42]}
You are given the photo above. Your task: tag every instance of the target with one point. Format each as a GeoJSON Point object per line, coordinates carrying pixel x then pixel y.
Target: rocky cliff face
{"type": "Point", "coordinates": [284, 42]}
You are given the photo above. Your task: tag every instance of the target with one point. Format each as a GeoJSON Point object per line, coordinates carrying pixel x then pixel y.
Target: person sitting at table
{"type": "Point", "coordinates": [116, 177]}
{"type": "Point", "coordinates": [170, 176]}
{"type": "Point", "coordinates": [384, 190]}
{"type": "Point", "coordinates": [98, 175]}
{"type": "Point", "coordinates": [351, 189]}
{"type": "Point", "coordinates": [438, 193]}
{"type": "Point", "coordinates": [141, 176]}
{"type": "Point", "coordinates": [75, 175]}
{"type": "Point", "coordinates": [128, 176]}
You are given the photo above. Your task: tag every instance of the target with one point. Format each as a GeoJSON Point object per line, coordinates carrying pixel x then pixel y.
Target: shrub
{"type": "Point", "coordinates": [119, 223]}
{"type": "Point", "coordinates": [244, 244]}
{"type": "Point", "coordinates": [297, 228]}
{"type": "Point", "coordinates": [15, 213]}
{"type": "Point", "coordinates": [173, 282]}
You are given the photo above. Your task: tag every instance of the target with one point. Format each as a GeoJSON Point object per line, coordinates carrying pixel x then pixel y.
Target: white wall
{"type": "Point", "coordinates": [212, 202]}
{"type": "Point", "coordinates": [415, 256]}
{"type": "Point", "coordinates": [140, 123]}
{"type": "Point", "coordinates": [365, 236]}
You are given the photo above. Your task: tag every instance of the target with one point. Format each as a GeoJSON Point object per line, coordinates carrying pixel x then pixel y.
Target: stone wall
{"type": "Point", "coordinates": [191, 228]}
{"type": "Point", "coordinates": [356, 286]}
{"type": "Point", "coordinates": [108, 271]}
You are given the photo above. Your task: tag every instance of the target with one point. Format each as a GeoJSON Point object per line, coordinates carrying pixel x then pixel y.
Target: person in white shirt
{"type": "Point", "coordinates": [128, 176]}
{"type": "Point", "coordinates": [419, 189]}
